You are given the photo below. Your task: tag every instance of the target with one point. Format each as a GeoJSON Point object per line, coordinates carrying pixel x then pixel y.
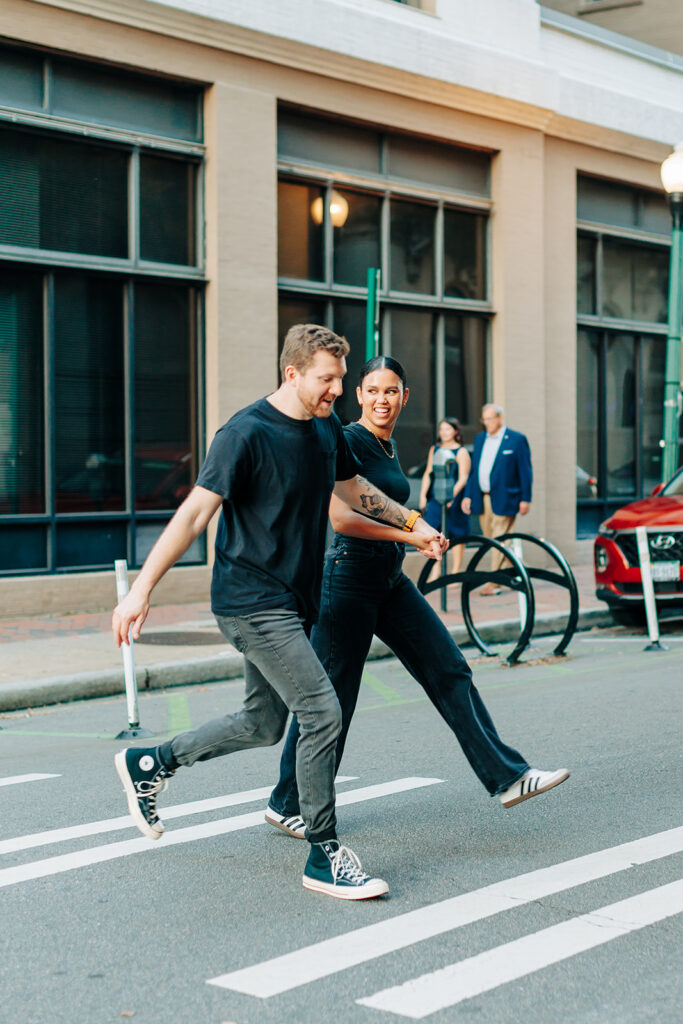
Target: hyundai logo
{"type": "Point", "coordinates": [663, 541]}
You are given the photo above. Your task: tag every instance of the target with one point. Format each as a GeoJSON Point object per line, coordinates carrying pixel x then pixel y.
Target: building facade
{"type": "Point", "coordinates": [181, 181]}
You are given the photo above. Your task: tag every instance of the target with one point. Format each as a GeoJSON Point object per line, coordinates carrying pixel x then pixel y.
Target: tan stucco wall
{"type": "Point", "coordinates": [533, 229]}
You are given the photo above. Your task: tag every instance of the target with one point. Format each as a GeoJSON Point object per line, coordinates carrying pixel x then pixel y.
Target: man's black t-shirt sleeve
{"type": "Point", "coordinates": [227, 467]}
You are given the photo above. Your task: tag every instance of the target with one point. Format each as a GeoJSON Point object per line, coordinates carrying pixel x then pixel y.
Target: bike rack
{"type": "Point", "coordinates": [472, 578]}
{"type": "Point", "coordinates": [564, 579]}
{"type": "Point", "coordinates": [516, 579]}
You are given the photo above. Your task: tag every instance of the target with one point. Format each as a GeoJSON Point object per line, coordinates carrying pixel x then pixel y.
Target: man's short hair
{"type": "Point", "coordinates": [304, 340]}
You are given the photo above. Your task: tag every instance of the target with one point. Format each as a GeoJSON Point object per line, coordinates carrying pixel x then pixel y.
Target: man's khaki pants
{"type": "Point", "coordinates": [495, 526]}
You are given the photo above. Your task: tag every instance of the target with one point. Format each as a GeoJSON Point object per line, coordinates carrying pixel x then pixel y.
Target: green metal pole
{"type": "Point", "coordinates": [672, 376]}
{"type": "Point", "coordinates": [372, 313]}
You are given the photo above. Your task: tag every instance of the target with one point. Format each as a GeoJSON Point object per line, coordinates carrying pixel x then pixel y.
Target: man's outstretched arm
{"type": "Point", "coordinates": [364, 497]}
{"type": "Point", "coordinates": [189, 521]}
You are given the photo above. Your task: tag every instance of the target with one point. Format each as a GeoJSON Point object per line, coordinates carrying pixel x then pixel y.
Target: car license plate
{"type": "Point", "coordinates": [662, 572]}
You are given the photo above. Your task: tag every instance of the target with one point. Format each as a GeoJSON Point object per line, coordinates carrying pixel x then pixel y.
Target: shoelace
{"type": "Point", "coordinates": [149, 791]}
{"type": "Point", "coordinates": [345, 863]}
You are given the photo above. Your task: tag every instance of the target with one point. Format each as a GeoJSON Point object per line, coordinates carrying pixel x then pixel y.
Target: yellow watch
{"type": "Point", "coordinates": [411, 520]}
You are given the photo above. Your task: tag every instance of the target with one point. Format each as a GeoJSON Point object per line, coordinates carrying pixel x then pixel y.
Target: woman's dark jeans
{"type": "Point", "coordinates": [365, 592]}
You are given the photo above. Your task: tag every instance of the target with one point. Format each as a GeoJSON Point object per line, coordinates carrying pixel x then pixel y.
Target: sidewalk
{"type": "Point", "coordinates": [50, 659]}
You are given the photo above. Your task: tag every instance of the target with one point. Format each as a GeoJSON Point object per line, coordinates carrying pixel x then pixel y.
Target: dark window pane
{"type": "Point", "coordinates": [465, 370]}
{"type": "Point", "coordinates": [606, 202]}
{"type": "Point", "coordinates": [326, 143]}
{"type": "Point", "coordinates": [412, 247]}
{"type": "Point", "coordinates": [22, 547]}
{"type": "Point", "coordinates": [21, 394]}
{"type": "Point", "coordinates": [165, 395]}
{"type": "Point", "coordinates": [300, 231]}
{"type": "Point", "coordinates": [62, 195]}
{"type": "Point", "coordinates": [437, 163]}
{"type": "Point", "coordinates": [653, 213]}
{"type": "Point", "coordinates": [111, 96]}
{"type": "Point", "coordinates": [349, 320]}
{"type": "Point", "coordinates": [464, 255]}
{"type": "Point", "coordinates": [587, 377]}
{"type": "Point", "coordinates": [89, 395]}
{"type": "Point", "coordinates": [621, 416]}
{"type": "Point", "coordinates": [412, 343]}
{"type": "Point", "coordinates": [356, 236]}
{"type": "Point", "coordinates": [635, 280]}
{"type": "Point", "coordinates": [585, 274]}
{"type": "Point", "coordinates": [21, 79]}
{"type": "Point", "coordinates": [147, 532]}
{"type": "Point", "coordinates": [167, 210]}
{"type": "Point", "coordinates": [652, 360]}
{"type": "Point", "coordinates": [90, 545]}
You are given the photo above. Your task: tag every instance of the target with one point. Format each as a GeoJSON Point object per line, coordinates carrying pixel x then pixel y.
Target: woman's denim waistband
{"type": "Point", "coordinates": [389, 552]}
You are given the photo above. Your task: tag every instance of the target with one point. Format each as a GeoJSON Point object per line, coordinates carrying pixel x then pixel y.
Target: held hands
{"type": "Point", "coordinates": [132, 611]}
{"type": "Point", "coordinates": [428, 541]}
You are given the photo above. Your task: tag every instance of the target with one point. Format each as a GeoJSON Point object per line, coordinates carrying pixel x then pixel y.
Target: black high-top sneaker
{"type": "Point", "coordinates": [143, 776]}
{"type": "Point", "coordinates": [336, 871]}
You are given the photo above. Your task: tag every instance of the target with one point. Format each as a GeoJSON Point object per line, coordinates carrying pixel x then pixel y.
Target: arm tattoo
{"type": "Point", "coordinates": [378, 506]}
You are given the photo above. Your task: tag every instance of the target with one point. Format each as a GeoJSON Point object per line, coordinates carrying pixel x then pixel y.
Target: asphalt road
{"type": "Point", "coordinates": [98, 924]}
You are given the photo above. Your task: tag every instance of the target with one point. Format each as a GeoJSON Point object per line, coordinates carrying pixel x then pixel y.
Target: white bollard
{"type": "Point", "coordinates": [648, 591]}
{"type": "Point", "coordinates": [134, 729]}
{"type": "Point", "coordinates": [518, 549]}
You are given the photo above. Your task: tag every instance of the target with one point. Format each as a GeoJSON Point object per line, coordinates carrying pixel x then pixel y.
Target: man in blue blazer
{"type": "Point", "coordinates": [499, 485]}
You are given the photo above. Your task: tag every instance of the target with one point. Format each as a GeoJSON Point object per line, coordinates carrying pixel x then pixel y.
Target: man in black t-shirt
{"type": "Point", "coordinates": [273, 468]}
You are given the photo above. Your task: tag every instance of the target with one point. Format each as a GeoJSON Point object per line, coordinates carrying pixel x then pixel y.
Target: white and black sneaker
{"type": "Point", "coordinates": [293, 825]}
{"type": "Point", "coordinates": [143, 776]}
{"type": "Point", "coordinates": [336, 871]}
{"type": "Point", "coordinates": [532, 783]}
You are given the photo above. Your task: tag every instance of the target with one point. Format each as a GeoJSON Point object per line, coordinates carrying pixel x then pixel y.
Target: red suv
{"type": "Point", "coordinates": [617, 569]}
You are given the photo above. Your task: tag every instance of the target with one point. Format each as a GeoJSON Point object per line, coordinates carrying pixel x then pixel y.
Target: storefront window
{"type": "Point", "coordinates": [356, 243]}
{"type": "Point", "coordinates": [412, 247]}
{"type": "Point", "coordinates": [99, 351]}
{"type": "Point", "coordinates": [300, 231]}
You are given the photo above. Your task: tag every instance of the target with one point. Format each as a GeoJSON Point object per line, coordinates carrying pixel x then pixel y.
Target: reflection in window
{"type": "Point", "coordinates": [588, 354]}
{"type": "Point", "coordinates": [356, 239]}
{"type": "Point", "coordinates": [165, 395]}
{"type": "Point", "coordinates": [652, 359]}
{"type": "Point", "coordinates": [300, 234]}
{"type": "Point", "coordinates": [464, 255]}
{"type": "Point", "coordinates": [167, 205]}
{"type": "Point", "coordinates": [621, 416]}
{"type": "Point", "coordinates": [89, 395]}
{"type": "Point", "coordinates": [635, 281]}
{"type": "Point", "coordinates": [413, 344]}
{"type": "Point", "coordinates": [412, 247]}
{"type": "Point", "coordinates": [21, 394]}
{"type": "Point", "coordinates": [465, 370]}
{"type": "Point", "coordinates": [585, 274]}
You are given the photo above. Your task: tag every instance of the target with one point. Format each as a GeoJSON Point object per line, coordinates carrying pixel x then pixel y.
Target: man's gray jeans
{"type": "Point", "coordinates": [281, 673]}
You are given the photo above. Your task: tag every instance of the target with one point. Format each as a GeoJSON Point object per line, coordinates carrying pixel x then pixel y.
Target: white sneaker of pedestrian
{"type": "Point", "coordinates": [531, 784]}
{"type": "Point", "coordinates": [293, 825]}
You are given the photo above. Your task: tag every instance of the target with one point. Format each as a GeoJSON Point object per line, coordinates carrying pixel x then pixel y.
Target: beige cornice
{"type": "Point", "coordinates": [203, 31]}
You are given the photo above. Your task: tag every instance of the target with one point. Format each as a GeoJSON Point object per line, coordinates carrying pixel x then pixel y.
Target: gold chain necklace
{"type": "Point", "coordinates": [389, 454]}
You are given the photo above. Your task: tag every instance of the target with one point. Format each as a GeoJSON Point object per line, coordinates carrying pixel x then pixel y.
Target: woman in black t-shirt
{"type": "Point", "coordinates": [366, 592]}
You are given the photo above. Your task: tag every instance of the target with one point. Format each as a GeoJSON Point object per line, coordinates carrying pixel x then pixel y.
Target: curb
{"type": "Point", "coordinates": [32, 693]}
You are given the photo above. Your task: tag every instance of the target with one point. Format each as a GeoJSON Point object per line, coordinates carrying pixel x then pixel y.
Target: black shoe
{"type": "Point", "coordinates": [337, 871]}
{"type": "Point", "coordinates": [143, 777]}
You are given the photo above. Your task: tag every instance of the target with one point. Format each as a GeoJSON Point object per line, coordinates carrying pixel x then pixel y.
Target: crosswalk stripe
{"type": "Point", "coordinates": [94, 828]}
{"type": "Point", "coordinates": [283, 973]}
{"type": "Point", "coordinates": [14, 780]}
{"type": "Point", "coordinates": [112, 851]}
{"type": "Point", "coordinates": [438, 990]}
